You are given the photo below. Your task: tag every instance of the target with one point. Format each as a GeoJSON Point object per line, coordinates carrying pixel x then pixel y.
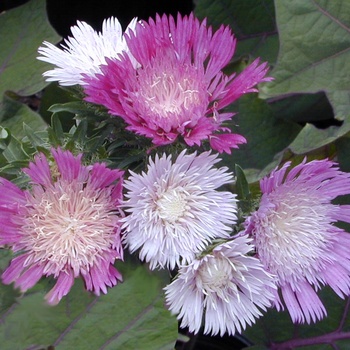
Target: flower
{"type": "Point", "coordinates": [227, 287]}
{"type": "Point", "coordinates": [66, 225]}
{"type": "Point", "coordinates": [175, 210]}
{"type": "Point", "coordinates": [83, 53]}
{"type": "Point", "coordinates": [178, 87]}
{"type": "Point", "coordinates": [296, 237]}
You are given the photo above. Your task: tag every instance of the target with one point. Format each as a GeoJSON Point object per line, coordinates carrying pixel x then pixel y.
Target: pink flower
{"type": "Point", "coordinates": [225, 288]}
{"type": "Point", "coordinates": [66, 225]}
{"type": "Point", "coordinates": [178, 87]}
{"type": "Point", "coordinates": [175, 209]}
{"type": "Point", "coordinates": [296, 237]}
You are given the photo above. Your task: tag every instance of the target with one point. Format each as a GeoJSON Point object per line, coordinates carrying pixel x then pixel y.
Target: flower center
{"type": "Point", "coordinates": [170, 89]}
{"type": "Point", "coordinates": [167, 95]}
{"type": "Point", "coordinates": [69, 224]}
{"type": "Point", "coordinates": [171, 206]}
{"type": "Point", "coordinates": [292, 235]}
{"type": "Point", "coordinates": [215, 274]}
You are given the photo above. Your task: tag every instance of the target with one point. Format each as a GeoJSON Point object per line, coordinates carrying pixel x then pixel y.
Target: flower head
{"type": "Point", "coordinates": [296, 237]}
{"type": "Point", "coordinates": [175, 209]}
{"type": "Point", "coordinates": [178, 87]}
{"type": "Point", "coordinates": [84, 52]}
{"type": "Point", "coordinates": [227, 287]}
{"type": "Point", "coordinates": [66, 225]}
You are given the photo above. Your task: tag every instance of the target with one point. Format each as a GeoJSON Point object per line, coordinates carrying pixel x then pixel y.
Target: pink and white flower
{"type": "Point", "coordinates": [178, 88]}
{"type": "Point", "coordinates": [84, 52]}
{"type": "Point", "coordinates": [175, 209]}
{"type": "Point", "coordinates": [296, 235]}
{"type": "Point", "coordinates": [66, 225]}
{"type": "Point", "coordinates": [226, 288]}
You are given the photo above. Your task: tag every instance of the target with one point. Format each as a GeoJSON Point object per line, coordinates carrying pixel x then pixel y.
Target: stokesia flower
{"type": "Point", "coordinates": [175, 209]}
{"type": "Point", "coordinates": [296, 236]}
{"type": "Point", "coordinates": [178, 87]}
{"type": "Point", "coordinates": [83, 53]}
{"type": "Point", "coordinates": [66, 225]}
{"type": "Point", "coordinates": [225, 288]}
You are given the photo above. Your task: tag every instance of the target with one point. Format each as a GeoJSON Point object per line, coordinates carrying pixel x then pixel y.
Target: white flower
{"type": "Point", "coordinates": [175, 210]}
{"type": "Point", "coordinates": [84, 52]}
{"type": "Point", "coordinates": [226, 289]}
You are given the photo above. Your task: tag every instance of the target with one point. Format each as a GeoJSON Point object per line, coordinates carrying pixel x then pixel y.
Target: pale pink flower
{"type": "Point", "coordinates": [296, 236]}
{"type": "Point", "coordinates": [226, 288]}
{"type": "Point", "coordinates": [66, 225]}
{"type": "Point", "coordinates": [175, 209]}
{"type": "Point", "coordinates": [178, 87]}
{"type": "Point", "coordinates": [84, 52]}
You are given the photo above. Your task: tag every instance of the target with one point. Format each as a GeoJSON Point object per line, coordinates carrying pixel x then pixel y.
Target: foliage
{"type": "Point", "coordinates": [305, 111]}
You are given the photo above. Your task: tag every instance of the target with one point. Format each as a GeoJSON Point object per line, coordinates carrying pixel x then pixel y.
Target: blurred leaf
{"type": "Point", "coordinates": [131, 316]}
{"type": "Point", "coordinates": [14, 114]}
{"type": "Point", "coordinates": [252, 22]}
{"type": "Point", "coordinates": [56, 94]}
{"type": "Point", "coordinates": [5, 137]}
{"type": "Point", "coordinates": [343, 154]}
{"type": "Point", "coordinates": [314, 56]}
{"type": "Point", "coordinates": [22, 31]}
{"type": "Point", "coordinates": [266, 136]}
{"type": "Point", "coordinates": [275, 334]}
{"type": "Point", "coordinates": [74, 107]}
{"type": "Point", "coordinates": [311, 138]}
{"type": "Point", "coordinates": [241, 184]}
{"type": "Point", "coordinates": [303, 108]}
{"type": "Point", "coordinates": [25, 126]}
{"type": "Point", "coordinates": [15, 151]}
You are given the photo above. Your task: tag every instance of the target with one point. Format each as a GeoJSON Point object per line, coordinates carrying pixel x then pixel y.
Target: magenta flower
{"type": "Point", "coordinates": [175, 209]}
{"type": "Point", "coordinates": [296, 237]}
{"type": "Point", "coordinates": [66, 225]}
{"type": "Point", "coordinates": [226, 289]}
{"type": "Point", "coordinates": [178, 87]}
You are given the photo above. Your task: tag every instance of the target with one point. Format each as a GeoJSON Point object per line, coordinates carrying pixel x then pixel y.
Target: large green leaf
{"type": "Point", "coordinates": [22, 31]}
{"type": "Point", "coordinates": [131, 316]}
{"type": "Point", "coordinates": [314, 56]}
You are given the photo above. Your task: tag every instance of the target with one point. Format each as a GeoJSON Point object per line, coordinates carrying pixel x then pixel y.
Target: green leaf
{"type": "Point", "coordinates": [303, 108]}
{"type": "Point", "coordinates": [55, 94]}
{"type": "Point", "coordinates": [343, 154]}
{"type": "Point", "coordinates": [241, 184]}
{"type": "Point", "coordinates": [14, 114]}
{"type": "Point", "coordinates": [15, 151]}
{"type": "Point", "coordinates": [311, 138]}
{"type": "Point", "coordinates": [5, 137]}
{"type": "Point", "coordinates": [267, 136]}
{"type": "Point", "coordinates": [267, 331]}
{"type": "Point", "coordinates": [252, 22]}
{"type": "Point", "coordinates": [130, 316]}
{"type": "Point", "coordinates": [314, 56]}
{"type": "Point", "coordinates": [22, 31]}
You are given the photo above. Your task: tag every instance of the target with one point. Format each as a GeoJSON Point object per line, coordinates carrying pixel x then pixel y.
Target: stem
{"type": "Point", "coordinates": [345, 314]}
{"type": "Point", "coordinates": [322, 339]}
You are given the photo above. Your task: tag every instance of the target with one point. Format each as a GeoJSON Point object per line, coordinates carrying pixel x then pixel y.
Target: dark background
{"type": "Point", "coordinates": [64, 13]}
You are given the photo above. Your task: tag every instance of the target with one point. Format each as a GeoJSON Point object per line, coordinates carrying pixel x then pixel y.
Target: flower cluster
{"type": "Point", "coordinates": [165, 80]}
